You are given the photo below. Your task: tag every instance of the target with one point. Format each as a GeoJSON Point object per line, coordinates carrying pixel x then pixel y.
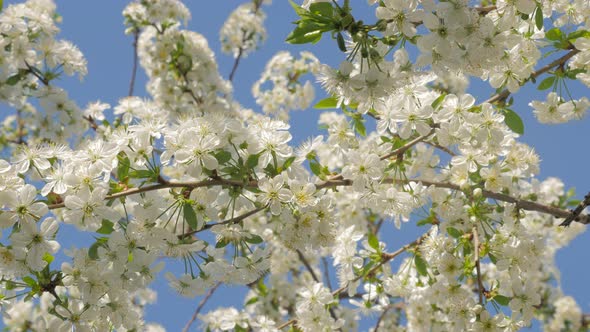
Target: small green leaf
{"type": "Point", "coordinates": [513, 121]}
{"type": "Point", "coordinates": [123, 167]}
{"type": "Point", "coordinates": [221, 243]}
{"type": "Point", "coordinates": [373, 241]}
{"type": "Point", "coordinates": [222, 156]}
{"type": "Point", "coordinates": [421, 266]}
{"type": "Point", "coordinates": [578, 34]}
{"type": "Point", "coordinates": [327, 103]}
{"type": "Point", "coordinates": [93, 250]}
{"type": "Point", "coordinates": [340, 41]}
{"type": "Point", "coordinates": [425, 221]}
{"type": "Point", "coordinates": [252, 160]}
{"type": "Point", "coordinates": [288, 163]}
{"type": "Point", "coordinates": [539, 18]}
{"type": "Point", "coordinates": [554, 34]}
{"type": "Point", "coordinates": [359, 126]}
{"type": "Point", "coordinates": [14, 79]}
{"type": "Point", "coordinates": [307, 32]}
{"type": "Point", "coordinates": [106, 227]}
{"type": "Point", "coordinates": [322, 8]}
{"type": "Point", "coordinates": [298, 9]}
{"type": "Point", "coordinates": [501, 300]}
{"type": "Point", "coordinates": [252, 300]}
{"type": "Point", "coordinates": [315, 167]}
{"type": "Point", "coordinates": [190, 216]}
{"type": "Point", "coordinates": [48, 258]}
{"type": "Point", "coordinates": [254, 239]}
{"type": "Point", "coordinates": [141, 174]}
{"type": "Point", "coordinates": [29, 281]}
{"type": "Point", "coordinates": [453, 232]}
{"type": "Point", "coordinates": [493, 258]}
{"type": "Point", "coordinates": [546, 83]}
{"type": "Point", "coordinates": [436, 103]}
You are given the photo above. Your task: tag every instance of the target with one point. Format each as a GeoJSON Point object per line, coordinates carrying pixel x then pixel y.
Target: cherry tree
{"type": "Point", "coordinates": [192, 175]}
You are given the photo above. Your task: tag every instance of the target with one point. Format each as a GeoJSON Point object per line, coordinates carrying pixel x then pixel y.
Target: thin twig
{"type": "Point", "coordinates": [240, 54]}
{"type": "Point", "coordinates": [522, 203]}
{"type": "Point", "coordinates": [558, 62]}
{"type": "Point", "coordinates": [166, 184]}
{"type": "Point", "coordinates": [381, 318]}
{"type": "Point", "coordinates": [577, 211]}
{"type": "Point", "coordinates": [314, 276]}
{"type": "Point", "coordinates": [200, 306]}
{"type": "Point", "coordinates": [385, 257]}
{"type": "Point", "coordinates": [134, 70]}
{"type": "Point", "coordinates": [480, 288]}
{"type": "Point", "coordinates": [234, 220]}
{"type": "Point", "coordinates": [401, 150]}
{"type": "Point", "coordinates": [327, 272]}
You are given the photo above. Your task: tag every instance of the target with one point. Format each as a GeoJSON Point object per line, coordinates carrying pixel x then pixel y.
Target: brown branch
{"type": "Point", "coordinates": [558, 62]}
{"type": "Point", "coordinates": [521, 203]}
{"type": "Point", "coordinates": [134, 70]}
{"type": "Point", "coordinates": [166, 184]}
{"type": "Point", "coordinates": [314, 276]}
{"type": "Point", "coordinates": [480, 288]}
{"type": "Point", "coordinates": [257, 4]}
{"type": "Point", "coordinates": [234, 220]}
{"type": "Point", "coordinates": [577, 211]}
{"type": "Point", "coordinates": [200, 306]}
{"type": "Point", "coordinates": [385, 257]}
{"type": "Point", "coordinates": [380, 319]}
{"type": "Point", "coordinates": [400, 151]}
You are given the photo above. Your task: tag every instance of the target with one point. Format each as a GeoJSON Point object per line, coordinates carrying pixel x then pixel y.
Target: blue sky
{"type": "Point", "coordinates": [96, 27]}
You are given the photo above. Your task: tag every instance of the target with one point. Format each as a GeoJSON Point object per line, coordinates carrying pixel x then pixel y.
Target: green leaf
{"type": "Point", "coordinates": [453, 232]}
{"type": "Point", "coordinates": [373, 241]}
{"type": "Point", "coordinates": [554, 34]}
{"type": "Point", "coordinates": [48, 258]}
{"type": "Point", "coordinates": [221, 243]}
{"type": "Point", "coordinates": [29, 281]}
{"type": "Point", "coordinates": [189, 215]}
{"type": "Point", "coordinates": [141, 174]}
{"type": "Point", "coordinates": [493, 258]}
{"type": "Point", "coordinates": [513, 121]}
{"type": "Point", "coordinates": [501, 299]}
{"type": "Point", "coordinates": [222, 156]}
{"type": "Point", "coordinates": [254, 239]}
{"type": "Point", "coordinates": [421, 266]}
{"type": "Point", "coordinates": [288, 163]}
{"type": "Point", "coordinates": [315, 167]}
{"type": "Point", "coordinates": [539, 18]}
{"type": "Point", "coordinates": [93, 250]}
{"type": "Point", "coordinates": [436, 103]}
{"type": "Point", "coordinates": [359, 126]}
{"type": "Point", "coordinates": [322, 8]}
{"type": "Point", "coordinates": [298, 9]}
{"type": "Point", "coordinates": [340, 41]}
{"type": "Point", "coordinates": [252, 160]}
{"type": "Point", "coordinates": [14, 79]}
{"type": "Point", "coordinates": [123, 168]}
{"type": "Point", "coordinates": [546, 83]}
{"type": "Point", "coordinates": [425, 221]}
{"type": "Point", "coordinates": [327, 103]}
{"type": "Point", "coordinates": [252, 300]}
{"type": "Point", "coordinates": [106, 227]}
{"type": "Point", "coordinates": [307, 32]}
{"type": "Point", "coordinates": [578, 34]}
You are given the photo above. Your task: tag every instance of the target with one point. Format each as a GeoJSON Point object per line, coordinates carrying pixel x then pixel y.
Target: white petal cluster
{"type": "Point", "coordinates": [244, 30]}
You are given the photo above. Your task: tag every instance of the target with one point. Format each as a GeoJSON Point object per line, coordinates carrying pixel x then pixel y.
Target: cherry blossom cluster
{"type": "Point", "coordinates": [191, 175]}
{"type": "Point", "coordinates": [287, 93]}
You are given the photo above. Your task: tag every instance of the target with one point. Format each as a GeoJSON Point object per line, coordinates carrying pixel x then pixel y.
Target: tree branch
{"type": "Point", "coordinates": [385, 257]}
{"type": "Point", "coordinates": [558, 62]}
{"type": "Point", "coordinates": [200, 306]}
{"type": "Point", "coordinates": [134, 70]}
{"type": "Point", "coordinates": [480, 288]}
